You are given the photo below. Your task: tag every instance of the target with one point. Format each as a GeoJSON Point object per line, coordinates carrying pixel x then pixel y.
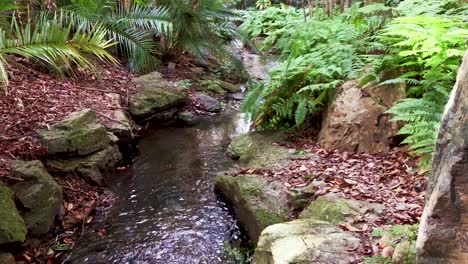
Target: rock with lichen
{"type": "Point", "coordinates": [79, 134]}
{"type": "Point", "coordinates": [259, 149]}
{"type": "Point", "coordinates": [258, 202]}
{"type": "Point", "coordinates": [39, 194]}
{"type": "Point", "coordinates": [306, 241]}
{"type": "Point", "coordinates": [156, 95]}
{"type": "Point", "coordinates": [12, 227]}
{"type": "Point", "coordinates": [336, 210]}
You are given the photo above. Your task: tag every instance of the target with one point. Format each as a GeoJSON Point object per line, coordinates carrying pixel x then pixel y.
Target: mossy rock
{"type": "Point", "coordinates": [257, 149]}
{"type": "Point", "coordinates": [305, 241]}
{"type": "Point", "coordinates": [92, 168]}
{"type": "Point", "coordinates": [211, 87]}
{"type": "Point", "coordinates": [258, 202]}
{"type": "Point", "coordinates": [333, 209]}
{"type": "Point", "coordinates": [229, 87]}
{"type": "Point", "coordinates": [39, 194]}
{"type": "Point", "coordinates": [156, 95]}
{"type": "Point", "coordinates": [79, 134]}
{"type": "Point", "coordinates": [12, 227]}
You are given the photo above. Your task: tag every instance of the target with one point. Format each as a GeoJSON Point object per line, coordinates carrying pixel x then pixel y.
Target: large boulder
{"type": "Point", "coordinates": [93, 167]}
{"type": "Point", "coordinates": [443, 231]}
{"type": "Point", "coordinates": [156, 95]}
{"type": "Point", "coordinates": [336, 210]}
{"type": "Point", "coordinates": [305, 241]}
{"type": "Point", "coordinates": [12, 227]}
{"type": "Point", "coordinates": [356, 121]}
{"type": "Point", "coordinates": [79, 134]}
{"type": "Point", "coordinates": [259, 149]}
{"type": "Point", "coordinates": [40, 195]}
{"type": "Point", "coordinates": [258, 202]}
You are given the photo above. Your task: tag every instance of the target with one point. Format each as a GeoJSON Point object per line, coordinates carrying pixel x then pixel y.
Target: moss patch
{"type": "Point", "coordinates": [12, 227]}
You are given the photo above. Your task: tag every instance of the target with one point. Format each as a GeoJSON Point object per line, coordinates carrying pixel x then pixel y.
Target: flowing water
{"type": "Point", "coordinates": [166, 209]}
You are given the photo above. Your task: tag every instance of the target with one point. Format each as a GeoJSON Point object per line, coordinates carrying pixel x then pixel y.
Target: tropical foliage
{"type": "Point", "coordinates": [424, 40]}
{"type": "Point", "coordinates": [64, 34]}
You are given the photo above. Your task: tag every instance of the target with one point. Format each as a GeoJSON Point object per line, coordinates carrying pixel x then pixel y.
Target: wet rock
{"type": "Point", "coordinates": [305, 241]}
{"type": "Point", "coordinates": [258, 203]}
{"type": "Point", "coordinates": [7, 258]}
{"type": "Point", "coordinates": [356, 121]}
{"type": "Point", "coordinates": [207, 103]}
{"type": "Point", "coordinates": [442, 236]}
{"type": "Point", "coordinates": [257, 150]}
{"type": "Point", "coordinates": [404, 253]}
{"type": "Point", "coordinates": [79, 134]}
{"type": "Point", "coordinates": [12, 227]}
{"type": "Point", "coordinates": [236, 96]}
{"type": "Point", "coordinates": [333, 209]}
{"type": "Point", "coordinates": [93, 167]}
{"type": "Point", "coordinates": [39, 194]}
{"type": "Point", "coordinates": [156, 95]}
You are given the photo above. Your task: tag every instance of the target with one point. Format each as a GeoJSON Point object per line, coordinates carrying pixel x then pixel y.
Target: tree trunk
{"type": "Point", "coordinates": [342, 5]}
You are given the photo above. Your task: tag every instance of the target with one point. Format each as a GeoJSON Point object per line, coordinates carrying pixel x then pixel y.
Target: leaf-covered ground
{"type": "Point", "coordinates": [392, 179]}
{"type": "Point", "coordinates": [36, 100]}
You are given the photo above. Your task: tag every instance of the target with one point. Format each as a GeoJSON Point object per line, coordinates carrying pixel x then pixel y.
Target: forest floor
{"type": "Point", "coordinates": [37, 100]}
{"type": "Point", "coordinates": [393, 179]}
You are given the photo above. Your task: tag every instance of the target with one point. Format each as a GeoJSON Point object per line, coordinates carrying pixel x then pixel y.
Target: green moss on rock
{"type": "Point", "coordinates": [92, 167]}
{"type": "Point", "coordinates": [257, 150]}
{"type": "Point", "coordinates": [258, 203]}
{"type": "Point", "coordinates": [333, 209]}
{"type": "Point", "coordinates": [40, 195]}
{"type": "Point", "coordinates": [12, 227]}
{"type": "Point", "coordinates": [78, 134]}
{"type": "Point", "coordinates": [156, 95]}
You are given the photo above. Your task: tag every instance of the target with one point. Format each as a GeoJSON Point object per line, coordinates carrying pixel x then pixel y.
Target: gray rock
{"type": "Point", "coordinates": [236, 96]}
{"type": "Point", "coordinates": [7, 258]}
{"type": "Point", "coordinates": [333, 209]}
{"type": "Point", "coordinates": [121, 127]}
{"type": "Point", "coordinates": [93, 167]}
{"type": "Point", "coordinates": [443, 230]}
{"type": "Point", "coordinates": [207, 103]}
{"type": "Point", "coordinates": [12, 227]}
{"type": "Point", "coordinates": [299, 198]}
{"type": "Point", "coordinates": [305, 241]}
{"type": "Point", "coordinates": [258, 203]}
{"type": "Point", "coordinates": [258, 149]}
{"type": "Point", "coordinates": [79, 134]}
{"type": "Point", "coordinates": [39, 194]}
{"type": "Point", "coordinates": [156, 95]}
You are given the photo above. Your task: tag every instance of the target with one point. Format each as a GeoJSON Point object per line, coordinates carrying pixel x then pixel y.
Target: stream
{"type": "Point", "coordinates": [166, 210]}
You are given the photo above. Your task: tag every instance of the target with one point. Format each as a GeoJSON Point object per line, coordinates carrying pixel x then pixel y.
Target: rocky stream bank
{"type": "Point", "coordinates": [47, 199]}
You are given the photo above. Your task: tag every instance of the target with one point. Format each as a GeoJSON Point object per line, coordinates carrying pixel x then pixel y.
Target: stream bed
{"type": "Point", "coordinates": [166, 210]}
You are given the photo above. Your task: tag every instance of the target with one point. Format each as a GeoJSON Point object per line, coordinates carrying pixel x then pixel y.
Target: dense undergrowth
{"type": "Point", "coordinates": [423, 40]}
{"type": "Point", "coordinates": [66, 36]}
